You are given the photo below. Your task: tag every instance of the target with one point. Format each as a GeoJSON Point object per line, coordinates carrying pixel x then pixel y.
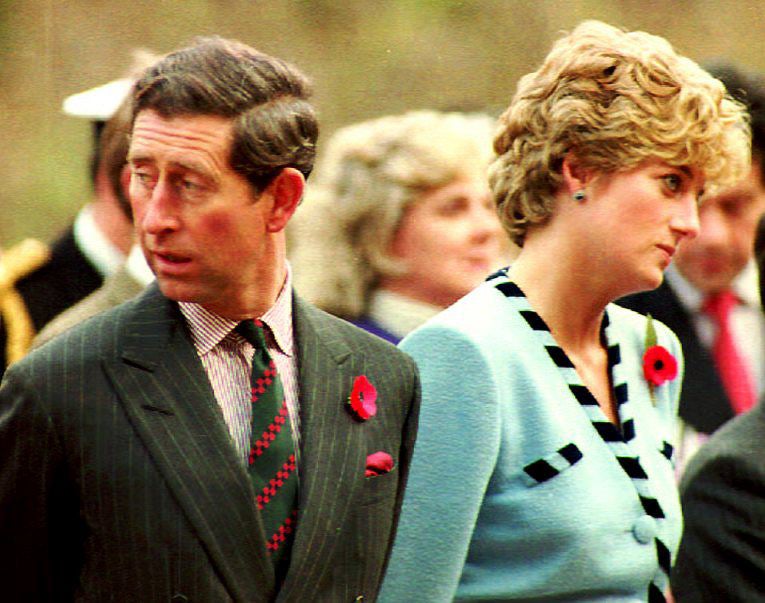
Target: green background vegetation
{"type": "Point", "coordinates": [367, 58]}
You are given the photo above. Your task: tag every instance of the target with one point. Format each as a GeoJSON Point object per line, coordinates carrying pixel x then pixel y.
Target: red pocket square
{"type": "Point", "coordinates": [378, 463]}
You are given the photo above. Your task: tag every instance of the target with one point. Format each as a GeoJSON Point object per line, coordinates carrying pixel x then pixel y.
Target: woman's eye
{"type": "Point", "coordinates": [672, 181]}
{"type": "Point", "coordinates": [453, 206]}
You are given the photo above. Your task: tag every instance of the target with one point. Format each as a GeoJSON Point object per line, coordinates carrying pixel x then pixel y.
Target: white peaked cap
{"type": "Point", "coordinates": [98, 103]}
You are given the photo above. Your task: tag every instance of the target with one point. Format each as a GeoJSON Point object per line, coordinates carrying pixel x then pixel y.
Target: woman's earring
{"type": "Point", "coordinates": [579, 195]}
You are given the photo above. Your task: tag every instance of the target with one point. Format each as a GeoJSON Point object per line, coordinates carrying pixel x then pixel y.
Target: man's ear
{"type": "Point", "coordinates": [576, 176]}
{"type": "Point", "coordinates": [286, 190]}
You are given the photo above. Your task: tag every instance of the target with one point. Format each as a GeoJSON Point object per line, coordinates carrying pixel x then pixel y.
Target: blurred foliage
{"type": "Point", "coordinates": [367, 58]}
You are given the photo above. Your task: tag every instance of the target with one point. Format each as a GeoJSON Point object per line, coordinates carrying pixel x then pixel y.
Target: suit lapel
{"type": "Point", "coordinates": [333, 453]}
{"type": "Point", "coordinates": [167, 396]}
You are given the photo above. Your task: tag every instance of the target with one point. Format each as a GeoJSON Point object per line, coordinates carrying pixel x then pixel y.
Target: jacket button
{"type": "Point", "coordinates": [644, 529]}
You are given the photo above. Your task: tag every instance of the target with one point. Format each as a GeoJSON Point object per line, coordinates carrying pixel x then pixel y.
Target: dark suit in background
{"type": "Point", "coordinates": [125, 283]}
{"type": "Point", "coordinates": [722, 552]}
{"type": "Point", "coordinates": [704, 405]}
{"type": "Point", "coordinates": [56, 284]}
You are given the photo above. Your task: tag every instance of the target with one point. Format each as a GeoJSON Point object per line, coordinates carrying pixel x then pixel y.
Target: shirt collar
{"type": "Point", "coordinates": [137, 267]}
{"type": "Point", "coordinates": [208, 329]}
{"type": "Point", "coordinates": [745, 286]}
{"type": "Point", "coordinates": [398, 314]}
{"type": "Point", "coordinates": [94, 244]}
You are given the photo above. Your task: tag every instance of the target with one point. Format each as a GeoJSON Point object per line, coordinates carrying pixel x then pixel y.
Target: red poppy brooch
{"type": "Point", "coordinates": [659, 366]}
{"type": "Point", "coordinates": [363, 398]}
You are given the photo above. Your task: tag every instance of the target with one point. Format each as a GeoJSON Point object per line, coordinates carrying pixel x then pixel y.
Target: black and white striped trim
{"type": "Point", "coordinates": [547, 468]}
{"type": "Point", "coordinates": [618, 440]}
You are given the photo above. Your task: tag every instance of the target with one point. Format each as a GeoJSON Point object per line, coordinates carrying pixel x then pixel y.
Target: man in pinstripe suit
{"type": "Point", "coordinates": [124, 442]}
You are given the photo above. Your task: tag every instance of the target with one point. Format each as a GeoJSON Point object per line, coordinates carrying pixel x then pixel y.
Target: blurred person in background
{"type": "Point", "coordinates": [710, 295]}
{"type": "Point", "coordinates": [39, 282]}
{"type": "Point", "coordinates": [542, 469]}
{"type": "Point", "coordinates": [399, 224]}
{"type": "Point", "coordinates": [134, 274]}
{"type": "Point", "coordinates": [722, 552]}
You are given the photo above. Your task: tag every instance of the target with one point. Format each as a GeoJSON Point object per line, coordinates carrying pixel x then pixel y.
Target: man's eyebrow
{"type": "Point", "coordinates": [190, 166]}
{"type": "Point", "coordinates": [136, 157]}
{"type": "Point", "coordinates": [194, 167]}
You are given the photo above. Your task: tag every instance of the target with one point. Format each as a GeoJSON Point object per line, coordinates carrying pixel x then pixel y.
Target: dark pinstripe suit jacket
{"type": "Point", "coordinates": [119, 481]}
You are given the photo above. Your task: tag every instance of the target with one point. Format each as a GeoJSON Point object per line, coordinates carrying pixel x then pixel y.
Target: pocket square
{"type": "Point", "coordinates": [378, 463]}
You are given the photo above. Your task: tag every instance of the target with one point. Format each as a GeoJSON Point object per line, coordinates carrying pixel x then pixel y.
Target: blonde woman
{"type": "Point", "coordinates": [543, 465]}
{"type": "Point", "coordinates": [399, 223]}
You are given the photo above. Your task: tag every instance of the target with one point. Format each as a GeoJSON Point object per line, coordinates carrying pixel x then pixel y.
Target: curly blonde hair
{"type": "Point", "coordinates": [366, 177]}
{"type": "Point", "coordinates": [614, 99]}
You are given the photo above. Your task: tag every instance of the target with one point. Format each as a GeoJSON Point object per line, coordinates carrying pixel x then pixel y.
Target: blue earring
{"type": "Point", "coordinates": [579, 195]}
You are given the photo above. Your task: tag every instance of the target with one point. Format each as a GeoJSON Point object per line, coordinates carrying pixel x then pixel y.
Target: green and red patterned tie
{"type": "Point", "coordinates": [272, 449]}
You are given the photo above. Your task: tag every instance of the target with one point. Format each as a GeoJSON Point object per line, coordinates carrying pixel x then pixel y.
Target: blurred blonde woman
{"type": "Point", "coordinates": [543, 464]}
{"type": "Point", "coordinates": [398, 224]}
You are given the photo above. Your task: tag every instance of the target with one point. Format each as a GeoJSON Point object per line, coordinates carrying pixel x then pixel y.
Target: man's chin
{"type": "Point", "coordinates": [179, 292]}
{"type": "Point", "coordinates": [712, 281]}
{"type": "Point", "coordinates": [709, 276]}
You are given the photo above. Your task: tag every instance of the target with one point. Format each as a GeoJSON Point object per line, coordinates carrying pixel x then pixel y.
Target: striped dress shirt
{"type": "Point", "coordinates": [227, 360]}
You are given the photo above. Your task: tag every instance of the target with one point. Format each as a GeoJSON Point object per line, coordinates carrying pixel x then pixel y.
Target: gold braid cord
{"type": "Point", "coordinates": [15, 263]}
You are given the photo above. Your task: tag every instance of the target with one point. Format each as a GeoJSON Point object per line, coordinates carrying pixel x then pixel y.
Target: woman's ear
{"type": "Point", "coordinates": [286, 190]}
{"type": "Point", "coordinates": [576, 176]}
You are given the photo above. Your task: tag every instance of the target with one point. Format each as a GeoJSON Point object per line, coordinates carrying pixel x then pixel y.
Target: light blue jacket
{"type": "Point", "coordinates": [475, 526]}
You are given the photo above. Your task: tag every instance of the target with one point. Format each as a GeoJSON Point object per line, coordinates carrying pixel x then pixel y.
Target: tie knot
{"type": "Point", "coordinates": [252, 331]}
{"type": "Point", "coordinates": [718, 305]}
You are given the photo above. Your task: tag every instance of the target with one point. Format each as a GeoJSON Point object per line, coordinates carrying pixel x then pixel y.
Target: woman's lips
{"type": "Point", "coordinates": [668, 250]}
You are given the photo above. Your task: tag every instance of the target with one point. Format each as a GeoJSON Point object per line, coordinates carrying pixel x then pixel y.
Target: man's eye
{"type": "Point", "coordinates": [142, 177]}
{"type": "Point", "coordinates": [192, 186]}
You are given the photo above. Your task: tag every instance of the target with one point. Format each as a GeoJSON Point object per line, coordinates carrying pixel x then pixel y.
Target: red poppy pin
{"type": "Point", "coordinates": [378, 463]}
{"type": "Point", "coordinates": [659, 366]}
{"type": "Point", "coordinates": [362, 400]}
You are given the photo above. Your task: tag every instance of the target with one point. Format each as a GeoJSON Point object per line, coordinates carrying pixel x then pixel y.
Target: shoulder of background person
{"type": "Point", "coordinates": [60, 282]}
{"type": "Point", "coordinates": [16, 263]}
{"type": "Point", "coordinates": [117, 288]}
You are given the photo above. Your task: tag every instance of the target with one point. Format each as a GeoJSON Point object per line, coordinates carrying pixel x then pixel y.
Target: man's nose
{"type": "Point", "coordinates": [160, 213]}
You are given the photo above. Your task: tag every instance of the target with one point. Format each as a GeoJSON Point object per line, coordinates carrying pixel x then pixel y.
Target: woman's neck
{"type": "Point", "coordinates": [567, 293]}
{"type": "Point", "coordinates": [563, 290]}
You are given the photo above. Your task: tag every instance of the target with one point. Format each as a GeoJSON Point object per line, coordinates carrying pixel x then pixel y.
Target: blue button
{"type": "Point", "coordinates": [644, 529]}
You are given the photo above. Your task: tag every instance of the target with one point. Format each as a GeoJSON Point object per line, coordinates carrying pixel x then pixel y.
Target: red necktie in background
{"type": "Point", "coordinates": [733, 371]}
